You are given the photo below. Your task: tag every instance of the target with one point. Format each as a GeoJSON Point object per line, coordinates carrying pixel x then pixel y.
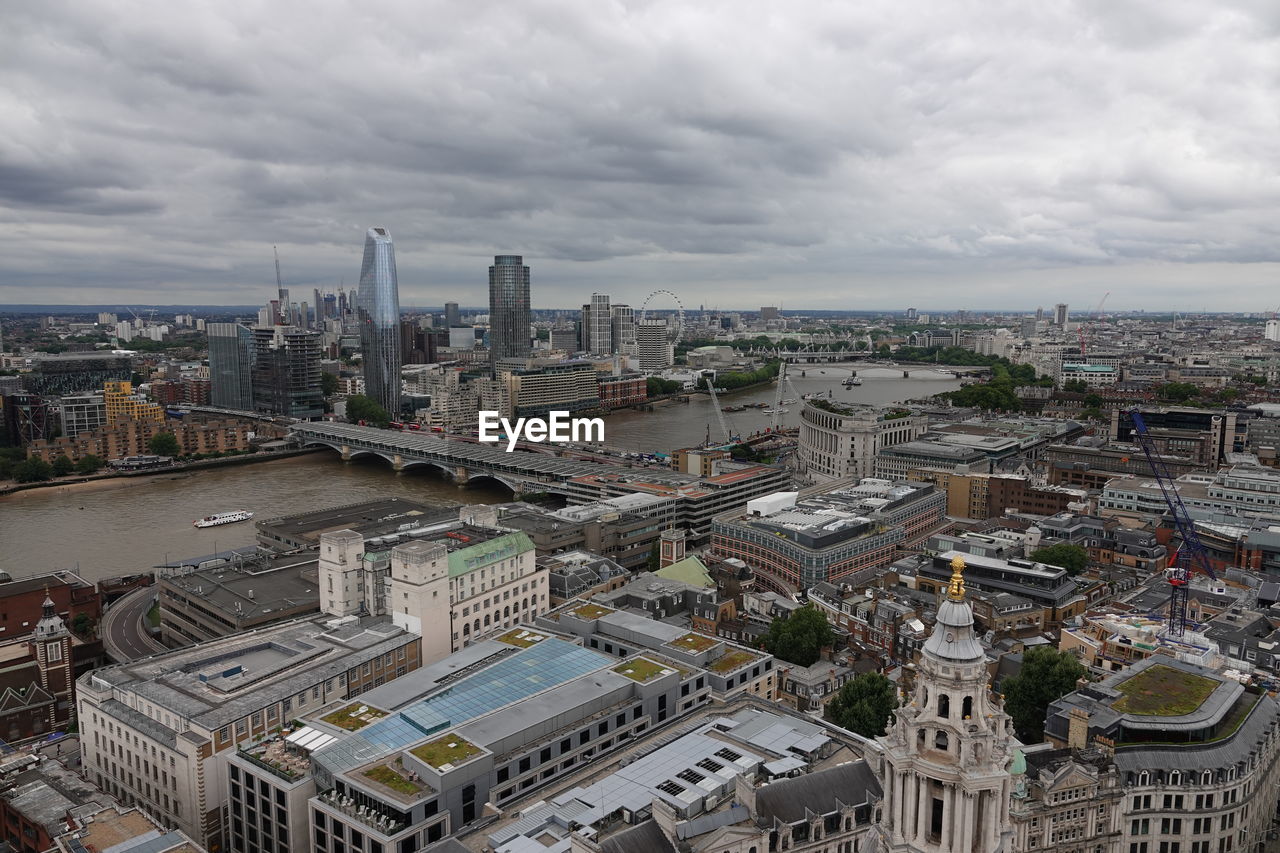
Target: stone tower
{"type": "Point", "coordinates": [946, 756]}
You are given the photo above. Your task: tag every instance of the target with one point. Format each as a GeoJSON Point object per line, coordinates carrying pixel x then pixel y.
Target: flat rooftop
{"type": "Point", "coordinates": [254, 590]}
{"type": "Point", "coordinates": [369, 519]}
{"type": "Point", "coordinates": [220, 681]}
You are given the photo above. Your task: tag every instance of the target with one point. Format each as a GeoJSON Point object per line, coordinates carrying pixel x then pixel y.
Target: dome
{"type": "Point", "coordinates": [952, 638]}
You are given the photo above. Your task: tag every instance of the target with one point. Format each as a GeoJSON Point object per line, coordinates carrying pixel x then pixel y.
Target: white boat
{"type": "Point", "coordinates": [788, 401]}
{"type": "Point", "coordinates": [773, 411]}
{"type": "Point", "coordinates": [852, 381]}
{"type": "Point", "coordinates": [223, 518]}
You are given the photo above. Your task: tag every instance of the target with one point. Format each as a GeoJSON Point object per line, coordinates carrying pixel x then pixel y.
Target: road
{"type": "Point", "coordinates": [122, 630]}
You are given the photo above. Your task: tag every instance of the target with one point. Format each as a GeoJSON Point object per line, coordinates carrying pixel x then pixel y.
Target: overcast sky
{"type": "Point", "coordinates": [827, 155]}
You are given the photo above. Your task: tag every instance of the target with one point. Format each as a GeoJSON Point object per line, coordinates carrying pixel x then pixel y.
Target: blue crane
{"type": "Point", "coordinates": [1192, 554]}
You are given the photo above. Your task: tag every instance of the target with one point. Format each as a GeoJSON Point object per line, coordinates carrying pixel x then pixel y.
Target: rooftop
{"type": "Point", "coordinates": [250, 591]}
{"type": "Point", "coordinates": [368, 518]}
{"type": "Point", "coordinates": [641, 669]}
{"type": "Point", "coordinates": [1162, 691]}
{"type": "Point", "coordinates": [446, 752]}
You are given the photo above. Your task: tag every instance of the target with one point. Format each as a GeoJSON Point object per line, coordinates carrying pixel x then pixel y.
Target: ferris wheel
{"type": "Point", "coordinates": [679, 327]}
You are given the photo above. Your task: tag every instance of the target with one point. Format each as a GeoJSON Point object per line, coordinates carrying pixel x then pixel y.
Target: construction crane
{"type": "Point", "coordinates": [1088, 324]}
{"type": "Point", "coordinates": [1192, 554]}
{"type": "Point", "coordinates": [710, 377]}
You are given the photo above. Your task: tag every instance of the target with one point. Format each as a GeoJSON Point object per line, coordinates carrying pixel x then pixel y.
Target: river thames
{"type": "Point", "coordinates": [112, 527]}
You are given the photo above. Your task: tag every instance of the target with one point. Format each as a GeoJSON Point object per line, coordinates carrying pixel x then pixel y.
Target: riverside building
{"type": "Point", "coordinates": [838, 441]}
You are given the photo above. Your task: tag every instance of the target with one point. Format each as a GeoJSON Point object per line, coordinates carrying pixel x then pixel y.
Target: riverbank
{"type": "Point", "coordinates": [92, 482]}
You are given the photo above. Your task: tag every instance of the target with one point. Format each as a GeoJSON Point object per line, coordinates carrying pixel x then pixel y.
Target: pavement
{"type": "Point", "coordinates": [122, 630]}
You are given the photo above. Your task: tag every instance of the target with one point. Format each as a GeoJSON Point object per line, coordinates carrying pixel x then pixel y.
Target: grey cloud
{"type": "Point", "coordinates": [862, 155]}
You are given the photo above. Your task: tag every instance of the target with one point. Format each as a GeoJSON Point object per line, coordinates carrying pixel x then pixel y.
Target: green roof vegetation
{"type": "Point", "coordinates": [352, 718]}
{"type": "Point", "coordinates": [394, 779]}
{"type": "Point", "coordinates": [590, 611]}
{"type": "Point", "coordinates": [693, 642]}
{"type": "Point", "coordinates": [640, 669]}
{"type": "Point", "coordinates": [513, 638]}
{"type": "Point", "coordinates": [450, 749]}
{"type": "Point", "coordinates": [1162, 691]}
{"type": "Point", "coordinates": [731, 661]}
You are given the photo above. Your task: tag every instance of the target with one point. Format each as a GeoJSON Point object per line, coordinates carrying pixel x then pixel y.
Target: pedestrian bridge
{"type": "Point", "coordinates": [460, 459]}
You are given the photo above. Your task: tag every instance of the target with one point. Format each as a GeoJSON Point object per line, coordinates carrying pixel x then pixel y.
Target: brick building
{"type": "Point", "coordinates": [195, 434]}
{"type": "Point", "coordinates": [618, 391]}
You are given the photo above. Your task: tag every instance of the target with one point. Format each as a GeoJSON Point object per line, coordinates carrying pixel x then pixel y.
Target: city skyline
{"type": "Point", "coordinates": [871, 157]}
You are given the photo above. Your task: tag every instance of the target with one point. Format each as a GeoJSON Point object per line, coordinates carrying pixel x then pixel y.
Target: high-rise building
{"type": "Point", "coordinates": [770, 312]}
{"type": "Point", "coordinates": [122, 403]}
{"type": "Point", "coordinates": [1039, 314]}
{"type": "Point", "coordinates": [601, 319]}
{"type": "Point", "coordinates": [653, 344]}
{"type": "Point", "coordinates": [584, 328]}
{"type": "Point", "coordinates": [911, 315]}
{"type": "Point", "coordinates": [378, 312]}
{"type": "Point", "coordinates": [1273, 330]}
{"type": "Point", "coordinates": [452, 316]}
{"type": "Point", "coordinates": [1060, 314]}
{"type": "Point", "coordinates": [508, 308]}
{"type": "Point", "coordinates": [564, 339]}
{"type": "Point", "coordinates": [622, 326]}
{"type": "Point", "coordinates": [285, 373]}
{"type": "Point", "coordinates": [82, 413]}
{"type": "Point", "coordinates": [230, 365]}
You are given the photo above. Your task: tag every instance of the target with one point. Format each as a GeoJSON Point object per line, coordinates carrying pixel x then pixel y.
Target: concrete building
{"type": "Point", "coordinates": [1204, 778]}
{"type": "Point", "coordinates": [158, 733]}
{"type": "Point", "coordinates": [1250, 490]}
{"type": "Point", "coordinates": [452, 582]}
{"type": "Point", "coordinates": [194, 434]}
{"type": "Point", "coordinates": [599, 320]}
{"type": "Point", "coordinates": [75, 372]}
{"type": "Point", "coordinates": [622, 328]}
{"type": "Point", "coordinates": [838, 441]}
{"type": "Point", "coordinates": [601, 528]}
{"type": "Point", "coordinates": [581, 574]}
{"type": "Point", "coordinates": [238, 596]}
{"type": "Point", "coordinates": [368, 518]}
{"type": "Point", "coordinates": [794, 542]}
{"type": "Point", "coordinates": [565, 386]}
{"type": "Point", "coordinates": [654, 346]}
{"type": "Point", "coordinates": [1272, 330]}
{"type": "Point", "coordinates": [82, 413]}
{"type": "Point", "coordinates": [1060, 314]}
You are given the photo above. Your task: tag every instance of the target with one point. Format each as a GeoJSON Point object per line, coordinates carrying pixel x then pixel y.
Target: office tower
{"type": "Point", "coordinates": [229, 366]}
{"type": "Point", "coordinates": [653, 345]}
{"type": "Point", "coordinates": [1273, 330]}
{"type": "Point", "coordinates": [601, 325]}
{"type": "Point", "coordinates": [769, 312]}
{"type": "Point", "coordinates": [622, 327]}
{"type": "Point", "coordinates": [584, 328]}
{"type": "Point", "coordinates": [911, 315]}
{"type": "Point", "coordinates": [564, 339]}
{"type": "Point", "coordinates": [1060, 314]}
{"type": "Point", "coordinates": [452, 316]}
{"type": "Point", "coordinates": [378, 313]}
{"type": "Point", "coordinates": [1039, 314]}
{"type": "Point", "coordinates": [285, 372]}
{"type": "Point", "coordinates": [508, 308]}
{"type": "Point", "coordinates": [417, 344]}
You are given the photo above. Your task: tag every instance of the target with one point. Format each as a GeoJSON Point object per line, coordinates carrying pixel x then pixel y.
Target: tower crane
{"type": "Point", "coordinates": [1192, 554]}
{"type": "Point", "coordinates": [1089, 323]}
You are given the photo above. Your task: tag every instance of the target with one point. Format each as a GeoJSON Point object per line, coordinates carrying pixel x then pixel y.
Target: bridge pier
{"type": "Point", "coordinates": [397, 464]}
{"type": "Point", "coordinates": [906, 374]}
{"type": "Point", "coordinates": [460, 476]}
{"type": "Point", "coordinates": [346, 453]}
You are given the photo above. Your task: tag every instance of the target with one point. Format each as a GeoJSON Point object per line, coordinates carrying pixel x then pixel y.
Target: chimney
{"type": "Point", "coordinates": [1078, 728]}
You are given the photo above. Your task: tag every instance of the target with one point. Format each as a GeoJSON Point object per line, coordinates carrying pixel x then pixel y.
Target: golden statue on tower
{"type": "Point", "coordinates": [956, 589]}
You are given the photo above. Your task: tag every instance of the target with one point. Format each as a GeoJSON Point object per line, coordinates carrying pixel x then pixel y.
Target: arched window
{"type": "Point", "coordinates": [940, 741]}
{"type": "Point", "coordinates": [920, 740]}
{"type": "Point", "coordinates": [944, 705]}
{"type": "Point", "coordinates": [486, 620]}
{"type": "Point", "coordinates": [1206, 778]}
{"type": "Point", "coordinates": [477, 626]}
{"type": "Point", "coordinates": [967, 707]}
{"type": "Point", "coordinates": [1144, 778]}
{"type": "Point", "coordinates": [506, 612]}
{"type": "Point", "coordinates": [466, 630]}
{"type": "Point", "coordinates": [1175, 778]}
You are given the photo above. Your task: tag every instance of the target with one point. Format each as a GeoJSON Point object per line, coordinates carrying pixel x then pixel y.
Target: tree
{"type": "Point", "coordinates": [655, 558]}
{"type": "Point", "coordinates": [33, 470]}
{"type": "Point", "coordinates": [62, 466]}
{"type": "Point", "coordinates": [88, 464]}
{"type": "Point", "coordinates": [1046, 675]}
{"type": "Point", "coordinates": [860, 345]}
{"type": "Point", "coordinates": [864, 704]}
{"type": "Point", "coordinates": [1177, 392]}
{"type": "Point", "coordinates": [328, 384]}
{"type": "Point", "coordinates": [1073, 558]}
{"type": "Point", "coordinates": [1092, 401]}
{"type": "Point", "coordinates": [1076, 386]}
{"type": "Point", "coordinates": [164, 444]}
{"type": "Point", "coordinates": [81, 624]}
{"type": "Point", "coordinates": [656, 386]}
{"type": "Point", "coordinates": [363, 408]}
{"type": "Point", "coordinates": [799, 637]}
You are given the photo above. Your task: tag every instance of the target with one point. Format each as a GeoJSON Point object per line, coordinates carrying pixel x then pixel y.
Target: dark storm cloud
{"type": "Point", "coordinates": [827, 154]}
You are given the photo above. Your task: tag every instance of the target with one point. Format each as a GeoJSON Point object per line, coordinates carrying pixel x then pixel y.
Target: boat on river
{"type": "Point", "coordinates": [221, 518]}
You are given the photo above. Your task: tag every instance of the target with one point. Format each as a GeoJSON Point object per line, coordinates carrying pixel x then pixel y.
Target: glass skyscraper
{"type": "Point", "coordinates": [508, 308]}
{"type": "Point", "coordinates": [230, 366]}
{"type": "Point", "coordinates": [378, 312]}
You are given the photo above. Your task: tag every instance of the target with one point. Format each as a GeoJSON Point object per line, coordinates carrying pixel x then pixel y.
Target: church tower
{"type": "Point", "coordinates": [51, 645]}
{"type": "Point", "coordinates": [944, 766]}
